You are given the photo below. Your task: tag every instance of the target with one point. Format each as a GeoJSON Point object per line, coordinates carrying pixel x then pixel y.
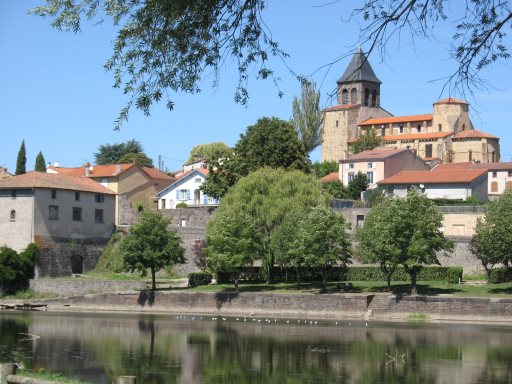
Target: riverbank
{"type": "Point", "coordinates": [381, 307]}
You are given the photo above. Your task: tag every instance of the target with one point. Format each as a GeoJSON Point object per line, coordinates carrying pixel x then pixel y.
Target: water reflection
{"type": "Point", "coordinates": [164, 350]}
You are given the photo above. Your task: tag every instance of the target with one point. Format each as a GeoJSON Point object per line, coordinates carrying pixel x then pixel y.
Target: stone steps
{"type": "Point", "coordinates": [379, 303]}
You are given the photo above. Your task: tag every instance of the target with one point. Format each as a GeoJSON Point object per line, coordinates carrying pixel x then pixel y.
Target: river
{"type": "Point", "coordinates": [161, 349]}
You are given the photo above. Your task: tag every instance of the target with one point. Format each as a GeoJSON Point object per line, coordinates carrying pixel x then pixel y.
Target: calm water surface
{"type": "Point", "coordinates": [164, 350]}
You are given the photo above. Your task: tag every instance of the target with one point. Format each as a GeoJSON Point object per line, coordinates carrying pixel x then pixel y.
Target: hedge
{"type": "Point", "coordinates": [500, 275]}
{"type": "Point", "coordinates": [364, 273]}
{"type": "Point", "coordinates": [199, 278]}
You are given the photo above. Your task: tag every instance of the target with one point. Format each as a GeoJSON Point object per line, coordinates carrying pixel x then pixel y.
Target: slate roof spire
{"type": "Point", "coordinates": [359, 69]}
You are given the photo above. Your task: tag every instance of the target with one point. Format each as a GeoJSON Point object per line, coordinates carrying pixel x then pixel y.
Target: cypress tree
{"type": "Point", "coordinates": [21, 162]}
{"type": "Point", "coordinates": [40, 163]}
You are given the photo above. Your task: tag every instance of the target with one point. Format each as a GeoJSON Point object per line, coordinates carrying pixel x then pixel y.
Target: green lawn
{"type": "Point", "coordinates": [45, 375]}
{"type": "Point", "coordinates": [398, 287]}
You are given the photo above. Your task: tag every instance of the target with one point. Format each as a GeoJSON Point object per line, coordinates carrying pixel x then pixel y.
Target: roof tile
{"type": "Point", "coordinates": [458, 176]}
{"type": "Point", "coordinates": [396, 119]}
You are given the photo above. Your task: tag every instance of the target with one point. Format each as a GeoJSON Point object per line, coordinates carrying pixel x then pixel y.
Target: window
{"type": "Point", "coordinates": [374, 98]}
{"type": "Point", "coordinates": [440, 127]}
{"type": "Point", "coordinates": [104, 181]}
{"type": "Point", "coordinates": [336, 123]}
{"type": "Point", "coordinates": [99, 198]}
{"type": "Point", "coordinates": [370, 165]}
{"type": "Point", "coordinates": [197, 180]}
{"type": "Point", "coordinates": [470, 155]}
{"type": "Point", "coordinates": [13, 215]}
{"type": "Point", "coordinates": [183, 222]}
{"type": "Point", "coordinates": [53, 212]}
{"type": "Point", "coordinates": [98, 216]}
{"type": "Point", "coordinates": [353, 96]}
{"type": "Point", "coordinates": [494, 186]}
{"type": "Point", "coordinates": [369, 176]}
{"type": "Point", "coordinates": [351, 166]}
{"type": "Point", "coordinates": [463, 127]}
{"type": "Point", "coordinates": [350, 176]}
{"type": "Point", "coordinates": [162, 204]}
{"type": "Point", "coordinates": [509, 173]}
{"type": "Point", "coordinates": [182, 194]}
{"type": "Point", "coordinates": [418, 127]}
{"type": "Point", "coordinates": [344, 97]}
{"type": "Point", "coordinates": [428, 150]}
{"type": "Point", "coordinates": [13, 194]}
{"type": "Point", "coordinates": [54, 194]}
{"type": "Point", "coordinates": [401, 127]}
{"type": "Point", "coordinates": [359, 221]}
{"type": "Point", "coordinates": [77, 214]}
{"type": "Point", "coordinates": [382, 131]}
{"type": "Point", "coordinates": [366, 97]}
{"type": "Point", "coordinates": [77, 196]}
{"type": "Point", "coordinates": [495, 174]}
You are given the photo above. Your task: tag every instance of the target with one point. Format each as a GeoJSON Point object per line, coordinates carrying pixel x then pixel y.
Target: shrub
{"type": "Point", "coordinates": [181, 205]}
{"type": "Point", "coordinates": [16, 269]}
{"type": "Point", "coordinates": [500, 275]}
{"type": "Point", "coordinates": [111, 259]}
{"type": "Point", "coordinates": [199, 278]}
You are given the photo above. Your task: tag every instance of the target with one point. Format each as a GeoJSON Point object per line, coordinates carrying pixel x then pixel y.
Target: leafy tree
{"type": "Point", "coordinates": [40, 165]}
{"type": "Point", "coordinates": [232, 243]}
{"type": "Point", "coordinates": [358, 184]}
{"type": "Point", "coordinates": [271, 142]}
{"type": "Point", "coordinates": [367, 140]}
{"type": "Point", "coordinates": [21, 161]}
{"type": "Point", "coordinates": [199, 251]}
{"type": "Point", "coordinates": [324, 168]}
{"type": "Point", "coordinates": [267, 196]}
{"type": "Point", "coordinates": [322, 241]}
{"type": "Point", "coordinates": [403, 231]}
{"type": "Point", "coordinates": [336, 190]}
{"type": "Point", "coordinates": [492, 240]}
{"type": "Point", "coordinates": [16, 269]}
{"type": "Point", "coordinates": [149, 244]}
{"type": "Point", "coordinates": [112, 153]}
{"type": "Point", "coordinates": [212, 151]}
{"type": "Point", "coordinates": [141, 159]}
{"type": "Point", "coordinates": [308, 117]}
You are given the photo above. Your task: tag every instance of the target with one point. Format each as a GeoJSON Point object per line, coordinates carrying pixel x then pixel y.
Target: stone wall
{"type": "Point", "coordinates": [80, 286]}
{"type": "Point", "coordinates": [62, 257]}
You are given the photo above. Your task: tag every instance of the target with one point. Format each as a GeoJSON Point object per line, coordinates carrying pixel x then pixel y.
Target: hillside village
{"type": "Point", "coordinates": [70, 213]}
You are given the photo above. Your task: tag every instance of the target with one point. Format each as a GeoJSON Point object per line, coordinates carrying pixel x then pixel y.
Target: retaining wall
{"type": "Point", "coordinates": [80, 286]}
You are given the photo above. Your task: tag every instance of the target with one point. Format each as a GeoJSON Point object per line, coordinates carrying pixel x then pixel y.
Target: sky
{"type": "Point", "coordinates": [55, 94]}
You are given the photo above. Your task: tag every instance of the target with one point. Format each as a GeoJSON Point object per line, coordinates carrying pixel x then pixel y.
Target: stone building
{"type": "Point", "coordinates": [446, 135]}
{"type": "Point", "coordinates": [4, 174]}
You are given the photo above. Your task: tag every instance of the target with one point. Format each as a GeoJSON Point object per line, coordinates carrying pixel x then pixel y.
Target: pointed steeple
{"type": "Point", "coordinates": [359, 69]}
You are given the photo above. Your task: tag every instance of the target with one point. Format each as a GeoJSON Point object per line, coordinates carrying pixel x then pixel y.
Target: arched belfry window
{"type": "Point", "coordinates": [353, 96]}
{"type": "Point", "coordinates": [366, 96]}
{"type": "Point", "coordinates": [13, 215]}
{"type": "Point", "coordinates": [344, 97]}
{"type": "Point", "coordinates": [374, 98]}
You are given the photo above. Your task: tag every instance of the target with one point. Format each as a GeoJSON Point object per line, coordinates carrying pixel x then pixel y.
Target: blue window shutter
{"type": "Point", "coordinates": [205, 199]}
{"type": "Point", "coordinates": [177, 194]}
{"type": "Point", "coordinates": [188, 194]}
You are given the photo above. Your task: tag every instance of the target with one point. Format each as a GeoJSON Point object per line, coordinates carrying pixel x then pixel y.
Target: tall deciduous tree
{"type": "Point", "coordinates": [267, 196]}
{"type": "Point", "coordinates": [40, 165]}
{"type": "Point", "coordinates": [367, 140]}
{"type": "Point", "coordinates": [403, 231]}
{"type": "Point", "coordinates": [210, 152]}
{"type": "Point", "coordinates": [193, 39]}
{"type": "Point", "coordinates": [322, 241]}
{"type": "Point", "coordinates": [112, 153]}
{"type": "Point", "coordinates": [323, 168]}
{"type": "Point", "coordinates": [149, 244]}
{"type": "Point", "coordinates": [358, 184]}
{"type": "Point", "coordinates": [307, 117]}
{"type": "Point", "coordinates": [141, 159]}
{"type": "Point", "coordinates": [21, 161]}
{"type": "Point", "coordinates": [492, 241]}
{"type": "Point", "coordinates": [271, 142]}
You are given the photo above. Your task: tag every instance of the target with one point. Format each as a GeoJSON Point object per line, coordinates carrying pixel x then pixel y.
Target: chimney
{"type": "Point", "coordinates": [87, 171]}
{"type": "Point", "coordinates": [118, 168]}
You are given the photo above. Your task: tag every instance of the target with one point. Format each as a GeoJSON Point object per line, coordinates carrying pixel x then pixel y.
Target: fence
{"type": "Point", "coordinates": [8, 376]}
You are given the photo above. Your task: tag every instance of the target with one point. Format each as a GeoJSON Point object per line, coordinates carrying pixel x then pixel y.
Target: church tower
{"type": "Point", "coordinates": [358, 94]}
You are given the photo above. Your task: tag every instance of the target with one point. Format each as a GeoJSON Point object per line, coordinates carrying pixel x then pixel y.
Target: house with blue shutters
{"type": "Point", "coordinates": [186, 190]}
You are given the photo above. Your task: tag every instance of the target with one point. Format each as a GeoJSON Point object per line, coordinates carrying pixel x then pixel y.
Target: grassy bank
{"type": "Point", "coordinates": [42, 374]}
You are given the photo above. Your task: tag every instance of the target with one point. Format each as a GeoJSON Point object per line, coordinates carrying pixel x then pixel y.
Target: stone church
{"type": "Point", "coordinates": [446, 135]}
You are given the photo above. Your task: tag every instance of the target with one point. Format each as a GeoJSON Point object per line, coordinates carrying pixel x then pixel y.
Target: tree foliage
{"type": "Point", "coordinates": [141, 159]}
{"type": "Point", "coordinates": [322, 241]}
{"type": "Point", "coordinates": [264, 198]}
{"type": "Point", "coordinates": [271, 142]}
{"type": "Point", "coordinates": [112, 153]}
{"type": "Point", "coordinates": [323, 168]}
{"type": "Point", "coordinates": [492, 241]}
{"type": "Point", "coordinates": [40, 165]}
{"type": "Point", "coordinates": [358, 184]}
{"type": "Point", "coordinates": [149, 244]}
{"type": "Point", "coordinates": [403, 231]}
{"type": "Point", "coordinates": [168, 46]}
{"type": "Point", "coordinates": [336, 190]}
{"type": "Point", "coordinates": [210, 152]}
{"type": "Point", "coordinates": [307, 117]}
{"type": "Point", "coordinates": [16, 269]}
{"type": "Point", "coordinates": [367, 140]}
{"type": "Point", "coordinates": [21, 161]}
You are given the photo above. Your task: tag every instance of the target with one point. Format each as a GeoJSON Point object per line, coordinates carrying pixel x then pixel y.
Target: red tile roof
{"type": "Point", "coordinates": [459, 176]}
{"type": "Point", "coordinates": [396, 119]}
{"type": "Point", "coordinates": [334, 176]}
{"type": "Point", "coordinates": [453, 166]}
{"type": "Point", "coordinates": [417, 136]}
{"type": "Point", "coordinates": [473, 134]}
{"type": "Point", "coordinates": [204, 171]}
{"type": "Point", "coordinates": [341, 107]}
{"type": "Point", "coordinates": [107, 170]}
{"type": "Point", "coordinates": [450, 100]}
{"type": "Point", "coordinates": [54, 181]}
{"type": "Point", "coordinates": [373, 155]}
{"type": "Point", "coordinates": [472, 165]}
{"type": "Point", "coordinates": [157, 174]}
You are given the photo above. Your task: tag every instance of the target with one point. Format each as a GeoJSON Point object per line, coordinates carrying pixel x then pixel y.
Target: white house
{"type": "Point", "coordinates": [186, 190]}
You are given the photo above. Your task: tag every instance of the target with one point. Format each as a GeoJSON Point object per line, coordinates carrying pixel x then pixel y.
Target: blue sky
{"type": "Point", "coordinates": [56, 96]}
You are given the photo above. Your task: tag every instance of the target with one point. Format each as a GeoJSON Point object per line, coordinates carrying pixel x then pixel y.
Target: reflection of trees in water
{"type": "Point", "coordinates": [12, 347]}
